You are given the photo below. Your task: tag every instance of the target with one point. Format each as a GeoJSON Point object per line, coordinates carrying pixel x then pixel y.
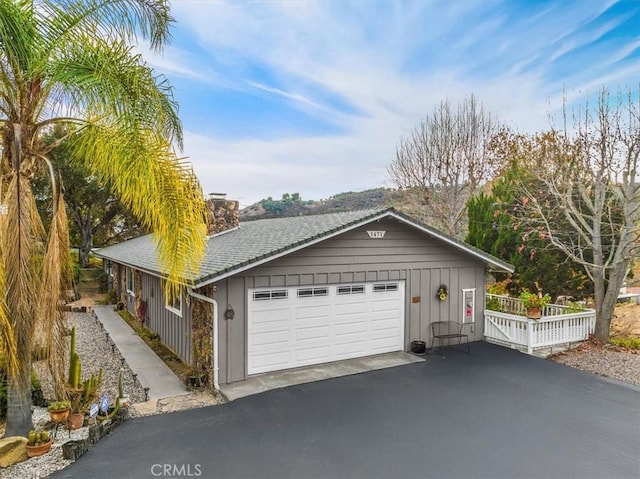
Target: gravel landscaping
{"type": "Point", "coordinates": [95, 353]}
{"type": "Point", "coordinates": [604, 360]}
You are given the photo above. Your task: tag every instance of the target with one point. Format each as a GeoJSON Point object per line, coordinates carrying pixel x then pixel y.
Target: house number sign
{"type": "Point", "coordinates": [376, 234]}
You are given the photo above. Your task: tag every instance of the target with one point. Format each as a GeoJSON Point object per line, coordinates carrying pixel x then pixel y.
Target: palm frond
{"type": "Point", "coordinates": [22, 241]}
{"type": "Point", "coordinates": [107, 80]}
{"type": "Point", "coordinates": [157, 187]}
{"type": "Point", "coordinates": [56, 278]}
{"type": "Point", "coordinates": [115, 19]}
{"type": "Point", "coordinates": [7, 336]}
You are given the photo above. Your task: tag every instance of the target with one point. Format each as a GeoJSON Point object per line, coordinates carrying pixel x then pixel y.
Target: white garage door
{"type": "Point", "coordinates": [299, 326]}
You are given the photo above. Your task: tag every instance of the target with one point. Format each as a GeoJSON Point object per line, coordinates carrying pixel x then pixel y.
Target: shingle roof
{"type": "Point", "coordinates": [254, 242]}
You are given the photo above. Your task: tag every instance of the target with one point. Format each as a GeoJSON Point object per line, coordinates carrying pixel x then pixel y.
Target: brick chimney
{"type": "Point", "coordinates": [222, 214]}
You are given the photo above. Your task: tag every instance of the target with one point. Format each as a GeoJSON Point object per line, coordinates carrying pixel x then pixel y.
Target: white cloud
{"type": "Point", "coordinates": [391, 67]}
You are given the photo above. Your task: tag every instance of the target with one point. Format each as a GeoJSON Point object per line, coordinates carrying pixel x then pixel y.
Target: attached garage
{"type": "Point", "coordinates": [300, 326]}
{"type": "Point", "coordinates": [306, 290]}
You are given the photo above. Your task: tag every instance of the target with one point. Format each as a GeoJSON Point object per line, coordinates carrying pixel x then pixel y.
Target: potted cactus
{"type": "Point", "coordinates": [59, 411]}
{"type": "Point", "coordinates": [39, 443]}
{"type": "Point", "coordinates": [81, 393]}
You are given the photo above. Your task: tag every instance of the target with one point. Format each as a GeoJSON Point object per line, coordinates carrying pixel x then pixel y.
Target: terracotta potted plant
{"type": "Point", "coordinates": [534, 303]}
{"type": "Point", "coordinates": [39, 443]}
{"type": "Point", "coordinates": [59, 411]}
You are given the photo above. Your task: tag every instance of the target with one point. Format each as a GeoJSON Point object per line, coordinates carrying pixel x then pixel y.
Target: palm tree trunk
{"type": "Point", "coordinates": [19, 420]}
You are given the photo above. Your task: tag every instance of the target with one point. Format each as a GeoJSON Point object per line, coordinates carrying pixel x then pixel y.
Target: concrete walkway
{"type": "Point", "coordinates": [152, 372]}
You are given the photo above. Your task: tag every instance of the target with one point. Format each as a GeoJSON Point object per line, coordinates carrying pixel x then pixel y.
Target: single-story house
{"type": "Point", "coordinates": [305, 290]}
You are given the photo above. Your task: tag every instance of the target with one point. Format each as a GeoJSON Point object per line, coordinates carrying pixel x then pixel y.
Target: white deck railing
{"type": "Point", "coordinates": [557, 327]}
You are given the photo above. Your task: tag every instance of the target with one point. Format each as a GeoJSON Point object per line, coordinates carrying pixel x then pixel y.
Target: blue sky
{"type": "Point", "coordinates": [313, 97]}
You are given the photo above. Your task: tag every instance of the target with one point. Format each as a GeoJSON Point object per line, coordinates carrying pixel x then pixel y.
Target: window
{"type": "Point", "coordinates": [468, 305]}
{"type": "Point", "coordinates": [312, 292]}
{"type": "Point", "coordinates": [270, 294]}
{"type": "Point", "coordinates": [174, 304]}
{"type": "Point", "coordinates": [382, 287]}
{"type": "Point", "coordinates": [108, 267]}
{"type": "Point", "coordinates": [351, 289]}
{"type": "Point", "coordinates": [130, 281]}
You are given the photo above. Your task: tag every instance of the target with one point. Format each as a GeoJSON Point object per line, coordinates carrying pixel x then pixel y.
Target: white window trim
{"type": "Point", "coordinates": [473, 305]}
{"type": "Point", "coordinates": [130, 285]}
{"type": "Point", "coordinates": [171, 308]}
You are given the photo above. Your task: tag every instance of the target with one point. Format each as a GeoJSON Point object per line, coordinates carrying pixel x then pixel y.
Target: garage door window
{"type": "Point", "coordinates": [350, 289]}
{"type": "Point", "coordinates": [382, 287]}
{"type": "Point", "coordinates": [271, 294]}
{"type": "Point", "coordinates": [312, 292]}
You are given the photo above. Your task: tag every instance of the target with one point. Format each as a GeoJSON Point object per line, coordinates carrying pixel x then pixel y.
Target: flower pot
{"type": "Point", "coordinates": [418, 347]}
{"type": "Point", "coordinates": [534, 313]}
{"type": "Point", "coordinates": [75, 421]}
{"type": "Point", "coordinates": [59, 416]}
{"type": "Point", "coordinates": [33, 451]}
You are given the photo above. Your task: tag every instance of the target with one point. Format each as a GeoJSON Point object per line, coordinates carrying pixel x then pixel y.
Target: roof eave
{"type": "Point", "coordinates": [491, 261]}
{"type": "Point", "coordinates": [265, 258]}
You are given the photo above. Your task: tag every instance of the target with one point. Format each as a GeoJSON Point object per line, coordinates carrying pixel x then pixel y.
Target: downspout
{"type": "Point", "coordinates": [214, 333]}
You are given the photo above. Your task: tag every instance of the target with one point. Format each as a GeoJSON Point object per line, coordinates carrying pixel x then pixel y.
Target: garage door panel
{"type": "Point", "coordinates": [262, 317]}
{"type": "Point", "coordinates": [354, 327]}
{"type": "Point", "coordinates": [390, 305]}
{"type": "Point", "coordinates": [296, 331]}
{"type": "Point", "coordinates": [384, 324]}
{"type": "Point", "coordinates": [312, 311]}
{"type": "Point", "coordinates": [353, 349]}
{"type": "Point", "coordinates": [270, 361]}
{"type": "Point", "coordinates": [350, 308]}
{"type": "Point", "coordinates": [313, 355]}
{"type": "Point", "coordinates": [312, 332]}
{"type": "Point", "coordinates": [271, 337]}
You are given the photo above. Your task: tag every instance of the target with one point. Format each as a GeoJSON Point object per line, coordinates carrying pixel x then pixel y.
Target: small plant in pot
{"type": "Point", "coordinates": [59, 411]}
{"type": "Point", "coordinates": [534, 303]}
{"type": "Point", "coordinates": [39, 443]}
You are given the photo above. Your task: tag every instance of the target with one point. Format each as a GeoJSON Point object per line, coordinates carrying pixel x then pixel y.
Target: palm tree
{"type": "Point", "coordinates": [69, 63]}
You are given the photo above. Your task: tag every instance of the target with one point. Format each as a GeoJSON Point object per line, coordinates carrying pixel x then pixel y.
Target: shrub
{"type": "Point", "coordinates": [631, 343]}
{"type": "Point", "coordinates": [494, 304]}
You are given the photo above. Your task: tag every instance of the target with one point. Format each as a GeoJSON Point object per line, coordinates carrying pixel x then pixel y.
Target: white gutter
{"type": "Point", "coordinates": [214, 333]}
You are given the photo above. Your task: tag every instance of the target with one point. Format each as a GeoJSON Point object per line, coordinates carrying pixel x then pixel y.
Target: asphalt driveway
{"type": "Point", "coordinates": [494, 413]}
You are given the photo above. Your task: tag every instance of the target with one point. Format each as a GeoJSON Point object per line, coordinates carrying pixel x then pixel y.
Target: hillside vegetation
{"type": "Point", "coordinates": [294, 205]}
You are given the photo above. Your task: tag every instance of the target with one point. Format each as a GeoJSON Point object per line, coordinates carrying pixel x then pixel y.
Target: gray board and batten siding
{"type": "Point", "coordinates": [334, 249]}
{"type": "Point", "coordinates": [404, 254]}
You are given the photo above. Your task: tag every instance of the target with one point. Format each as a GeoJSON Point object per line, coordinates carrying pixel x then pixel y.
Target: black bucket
{"type": "Point", "coordinates": [418, 347]}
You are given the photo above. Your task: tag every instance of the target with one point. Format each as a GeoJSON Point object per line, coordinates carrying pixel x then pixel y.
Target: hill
{"type": "Point", "coordinates": [294, 205]}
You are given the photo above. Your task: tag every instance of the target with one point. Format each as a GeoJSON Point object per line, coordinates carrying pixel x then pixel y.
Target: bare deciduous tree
{"type": "Point", "coordinates": [445, 161]}
{"type": "Point", "coordinates": [588, 202]}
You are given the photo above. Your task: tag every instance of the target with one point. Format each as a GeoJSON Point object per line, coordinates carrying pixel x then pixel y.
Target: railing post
{"type": "Point", "coordinates": [529, 324]}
